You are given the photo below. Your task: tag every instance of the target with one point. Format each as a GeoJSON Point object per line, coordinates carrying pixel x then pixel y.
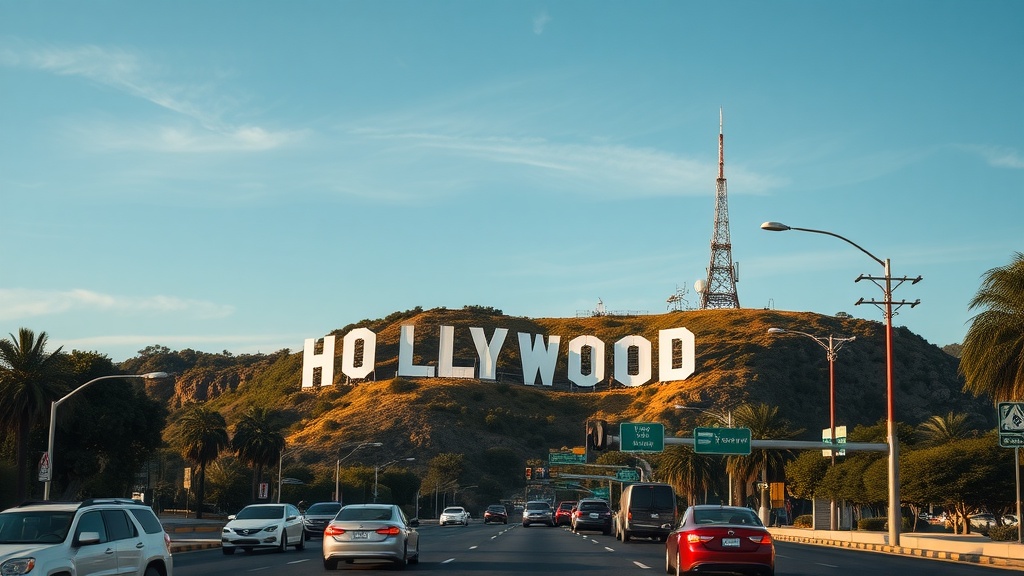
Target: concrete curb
{"type": "Point", "coordinates": [192, 545]}
{"type": "Point", "coordinates": [952, 556]}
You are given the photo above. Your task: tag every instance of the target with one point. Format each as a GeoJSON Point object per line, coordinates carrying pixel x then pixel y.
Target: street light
{"type": "Point", "coordinates": [831, 345]}
{"type": "Point", "coordinates": [53, 418]}
{"type": "Point", "coordinates": [337, 467]}
{"type": "Point", "coordinates": [724, 419]}
{"type": "Point", "coordinates": [895, 517]}
{"type": "Point", "coordinates": [377, 469]}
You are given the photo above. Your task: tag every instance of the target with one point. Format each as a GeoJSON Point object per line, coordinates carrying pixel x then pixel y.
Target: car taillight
{"type": "Point", "coordinates": [389, 531]}
{"type": "Point", "coordinates": [694, 538]}
{"type": "Point", "coordinates": [333, 530]}
{"type": "Point", "coordinates": [762, 539]}
{"type": "Point", "coordinates": [167, 543]}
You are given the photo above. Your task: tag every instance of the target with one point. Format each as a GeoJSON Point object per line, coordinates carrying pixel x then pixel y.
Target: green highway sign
{"type": "Point", "coordinates": [721, 441]}
{"type": "Point", "coordinates": [557, 458]}
{"type": "Point", "coordinates": [627, 475]}
{"type": "Point", "coordinates": [641, 437]}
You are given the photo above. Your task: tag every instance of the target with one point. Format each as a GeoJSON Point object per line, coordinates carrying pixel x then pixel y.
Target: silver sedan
{"type": "Point", "coordinates": [371, 532]}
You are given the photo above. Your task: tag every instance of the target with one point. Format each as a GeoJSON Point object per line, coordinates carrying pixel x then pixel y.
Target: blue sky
{"type": "Point", "coordinates": [242, 175]}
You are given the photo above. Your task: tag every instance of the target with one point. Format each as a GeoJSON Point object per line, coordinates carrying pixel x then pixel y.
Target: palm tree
{"type": "Point", "coordinates": [258, 441]}
{"type": "Point", "coordinates": [992, 361]}
{"type": "Point", "coordinates": [688, 472]}
{"type": "Point", "coordinates": [942, 429]}
{"type": "Point", "coordinates": [30, 379]}
{"type": "Point", "coordinates": [765, 424]}
{"type": "Point", "coordinates": [202, 436]}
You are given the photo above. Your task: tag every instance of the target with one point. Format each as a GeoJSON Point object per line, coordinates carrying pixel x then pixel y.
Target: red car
{"type": "Point", "coordinates": [720, 539]}
{"type": "Point", "coordinates": [563, 514]}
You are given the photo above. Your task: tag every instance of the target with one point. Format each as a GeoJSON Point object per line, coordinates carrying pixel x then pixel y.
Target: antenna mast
{"type": "Point", "coordinates": [720, 288]}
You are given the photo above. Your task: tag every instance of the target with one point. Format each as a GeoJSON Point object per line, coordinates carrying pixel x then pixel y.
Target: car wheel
{"type": "Point", "coordinates": [415, 558]}
{"type": "Point", "coordinates": [152, 571]}
{"type": "Point", "coordinates": [305, 535]}
{"type": "Point", "coordinates": [526, 524]}
{"type": "Point", "coordinates": [301, 545]}
{"type": "Point", "coordinates": [330, 564]}
{"type": "Point", "coordinates": [227, 550]}
{"type": "Point", "coordinates": [625, 535]}
{"type": "Point", "coordinates": [284, 542]}
{"type": "Point", "coordinates": [402, 562]}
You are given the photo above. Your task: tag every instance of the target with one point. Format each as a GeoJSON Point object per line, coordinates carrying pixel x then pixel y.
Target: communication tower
{"type": "Point", "coordinates": [719, 291]}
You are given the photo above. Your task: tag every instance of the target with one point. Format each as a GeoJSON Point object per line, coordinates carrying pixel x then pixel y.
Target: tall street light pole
{"type": "Point", "coordinates": [724, 419]}
{"type": "Point", "coordinates": [377, 469]}
{"type": "Point", "coordinates": [337, 467]}
{"type": "Point", "coordinates": [895, 517]}
{"type": "Point", "coordinates": [831, 345]}
{"type": "Point", "coordinates": [53, 418]}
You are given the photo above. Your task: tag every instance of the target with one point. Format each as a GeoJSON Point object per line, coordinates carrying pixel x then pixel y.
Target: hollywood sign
{"type": "Point", "coordinates": [538, 357]}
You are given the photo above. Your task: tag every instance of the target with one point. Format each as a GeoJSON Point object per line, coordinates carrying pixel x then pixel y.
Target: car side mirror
{"type": "Point", "coordinates": [87, 538]}
{"type": "Point", "coordinates": [231, 517]}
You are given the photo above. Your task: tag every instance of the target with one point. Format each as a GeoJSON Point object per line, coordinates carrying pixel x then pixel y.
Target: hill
{"type": "Point", "coordinates": [737, 361]}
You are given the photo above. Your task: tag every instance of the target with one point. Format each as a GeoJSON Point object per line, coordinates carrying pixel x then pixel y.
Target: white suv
{"type": "Point", "coordinates": [98, 536]}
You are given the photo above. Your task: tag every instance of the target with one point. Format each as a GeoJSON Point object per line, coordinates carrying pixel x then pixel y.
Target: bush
{"type": "Point", "coordinates": [1002, 533]}
{"type": "Point", "coordinates": [872, 524]}
{"type": "Point", "coordinates": [803, 521]}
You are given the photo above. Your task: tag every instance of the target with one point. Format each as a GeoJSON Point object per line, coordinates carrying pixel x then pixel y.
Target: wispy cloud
{"type": "Point", "coordinates": [131, 73]}
{"type": "Point", "coordinates": [16, 304]}
{"type": "Point", "coordinates": [999, 156]}
{"type": "Point", "coordinates": [540, 22]}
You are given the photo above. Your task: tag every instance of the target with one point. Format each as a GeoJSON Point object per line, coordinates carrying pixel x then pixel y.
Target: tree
{"type": "Point", "coordinates": [942, 429]}
{"type": "Point", "coordinates": [258, 441]}
{"type": "Point", "coordinates": [765, 424]}
{"type": "Point", "coordinates": [992, 361]}
{"type": "Point", "coordinates": [30, 379]}
{"type": "Point", "coordinates": [203, 434]}
{"type": "Point", "coordinates": [689, 473]}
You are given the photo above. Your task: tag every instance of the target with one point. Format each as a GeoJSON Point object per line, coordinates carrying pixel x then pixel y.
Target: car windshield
{"type": "Point", "coordinates": [260, 513]}
{"type": "Point", "coordinates": [726, 516]}
{"type": "Point", "coordinates": [41, 527]}
{"type": "Point", "coordinates": [591, 506]}
{"type": "Point", "coordinates": [496, 509]}
{"type": "Point", "coordinates": [453, 510]}
{"type": "Point", "coordinates": [537, 506]}
{"type": "Point", "coordinates": [365, 513]}
{"type": "Point", "coordinates": [323, 509]}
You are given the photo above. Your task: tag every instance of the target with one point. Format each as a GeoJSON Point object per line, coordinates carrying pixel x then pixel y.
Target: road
{"type": "Point", "coordinates": [513, 550]}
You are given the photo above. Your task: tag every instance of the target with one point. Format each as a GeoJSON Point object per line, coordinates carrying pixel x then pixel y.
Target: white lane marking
{"type": "Point", "coordinates": [642, 565]}
{"type": "Point", "coordinates": [448, 560]}
{"type": "Point", "coordinates": [473, 547]}
{"type": "Point", "coordinates": [299, 561]}
{"type": "Point", "coordinates": [826, 565]}
{"type": "Point", "coordinates": [609, 549]}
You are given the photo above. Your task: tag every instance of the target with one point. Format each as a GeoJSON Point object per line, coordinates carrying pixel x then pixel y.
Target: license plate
{"type": "Point", "coordinates": [595, 515]}
{"type": "Point", "coordinates": [363, 535]}
{"type": "Point", "coordinates": [654, 515]}
{"type": "Point", "coordinates": [730, 542]}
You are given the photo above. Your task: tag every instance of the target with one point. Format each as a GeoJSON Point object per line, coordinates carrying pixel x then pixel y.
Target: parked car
{"type": "Point", "coordinates": [592, 514]}
{"type": "Point", "coordinates": [84, 538]}
{"type": "Point", "coordinates": [454, 515]}
{"type": "Point", "coordinates": [646, 510]}
{"type": "Point", "coordinates": [263, 526]}
{"type": "Point", "coordinates": [563, 514]}
{"type": "Point", "coordinates": [983, 522]}
{"type": "Point", "coordinates": [371, 532]}
{"type": "Point", "coordinates": [538, 512]}
{"type": "Point", "coordinates": [713, 538]}
{"type": "Point", "coordinates": [316, 517]}
{"type": "Point", "coordinates": [495, 513]}
{"type": "Point", "coordinates": [1009, 519]}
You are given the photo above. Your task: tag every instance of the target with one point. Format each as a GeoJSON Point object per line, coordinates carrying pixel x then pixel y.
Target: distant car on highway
{"type": "Point", "coordinates": [263, 526]}
{"type": "Point", "coordinates": [316, 517]}
{"type": "Point", "coordinates": [496, 513]}
{"type": "Point", "coordinates": [538, 512]}
{"type": "Point", "coordinates": [454, 515]}
{"type": "Point", "coordinates": [563, 514]}
{"type": "Point", "coordinates": [592, 514]}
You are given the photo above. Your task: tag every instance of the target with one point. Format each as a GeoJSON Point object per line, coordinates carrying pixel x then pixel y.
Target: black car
{"type": "Point", "coordinates": [592, 514]}
{"type": "Point", "coordinates": [316, 518]}
{"type": "Point", "coordinates": [495, 513]}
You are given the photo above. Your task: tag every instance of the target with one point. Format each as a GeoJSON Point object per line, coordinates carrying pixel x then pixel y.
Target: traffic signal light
{"type": "Point", "coordinates": [597, 435]}
{"type": "Point", "coordinates": [529, 473]}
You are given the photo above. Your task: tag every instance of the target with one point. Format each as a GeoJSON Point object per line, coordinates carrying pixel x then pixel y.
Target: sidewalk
{"type": "Point", "coordinates": [972, 548]}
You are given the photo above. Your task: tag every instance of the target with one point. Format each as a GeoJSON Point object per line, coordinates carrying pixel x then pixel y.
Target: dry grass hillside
{"type": "Point", "coordinates": [737, 362]}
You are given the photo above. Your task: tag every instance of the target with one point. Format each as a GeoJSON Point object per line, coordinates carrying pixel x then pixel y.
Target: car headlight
{"type": "Point", "coordinates": [17, 566]}
{"type": "Point", "coordinates": [271, 528]}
